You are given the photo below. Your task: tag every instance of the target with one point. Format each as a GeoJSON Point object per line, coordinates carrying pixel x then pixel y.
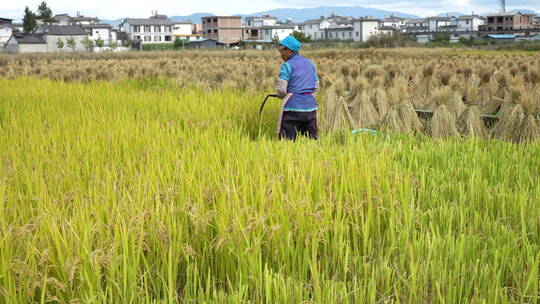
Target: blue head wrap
{"type": "Point", "coordinates": [291, 43]}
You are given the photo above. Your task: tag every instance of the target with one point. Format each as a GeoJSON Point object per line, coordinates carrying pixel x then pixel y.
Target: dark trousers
{"type": "Point", "coordinates": [298, 123]}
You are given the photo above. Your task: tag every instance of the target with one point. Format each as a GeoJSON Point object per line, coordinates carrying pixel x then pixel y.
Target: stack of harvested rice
{"type": "Point", "coordinates": [443, 122]}
{"type": "Point", "coordinates": [469, 122]}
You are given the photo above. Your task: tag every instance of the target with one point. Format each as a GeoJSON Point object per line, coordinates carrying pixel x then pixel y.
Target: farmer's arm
{"type": "Point", "coordinates": [283, 80]}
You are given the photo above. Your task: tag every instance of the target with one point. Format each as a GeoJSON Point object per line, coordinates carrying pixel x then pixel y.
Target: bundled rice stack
{"type": "Point", "coordinates": [469, 122]}
{"type": "Point", "coordinates": [391, 121]}
{"type": "Point", "coordinates": [443, 122]}
{"type": "Point", "coordinates": [511, 114]}
{"type": "Point", "coordinates": [363, 112]}
{"type": "Point", "coordinates": [529, 128]}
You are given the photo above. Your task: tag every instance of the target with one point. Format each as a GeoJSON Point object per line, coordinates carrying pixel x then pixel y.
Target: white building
{"type": "Point", "coordinates": [363, 29]}
{"type": "Point", "coordinates": [65, 19]}
{"type": "Point", "coordinates": [316, 28]}
{"type": "Point", "coordinates": [343, 33]}
{"type": "Point", "coordinates": [417, 26]}
{"type": "Point", "coordinates": [185, 30]}
{"type": "Point", "coordinates": [434, 23]}
{"type": "Point", "coordinates": [268, 33]}
{"type": "Point", "coordinates": [264, 20]}
{"type": "Point", "coordinates": [469, 23]}
{"type": "Point", "coordinates": [100, 31]}
{"type": "Point", "coordinates": [392, 22]}
{"type": "Point", "coordinates": [156, 29]}
{"type": "Point", "coordinates": [6, 31]}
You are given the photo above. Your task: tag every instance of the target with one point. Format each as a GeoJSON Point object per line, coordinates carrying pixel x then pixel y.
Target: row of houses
{"type": "Point", "coordinates": [222, 31]}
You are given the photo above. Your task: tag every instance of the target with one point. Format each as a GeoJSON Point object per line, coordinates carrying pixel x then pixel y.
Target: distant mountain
{"type": "Point", "coordinates": [450, 14]}
{"type": "Point", "coordinates": [303, 14]}
{"type": "Point", "coordinates": [193, 17]}
{"type": "Point", "coordinates": [114, 22]}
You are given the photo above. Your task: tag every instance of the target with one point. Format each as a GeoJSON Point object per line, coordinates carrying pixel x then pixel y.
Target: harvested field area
{"type": "Point", "coordinates": [460, 92]}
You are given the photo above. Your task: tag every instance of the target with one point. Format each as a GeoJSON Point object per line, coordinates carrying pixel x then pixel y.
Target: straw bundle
{"type": "Point", "coordinates": [443, 123]}
{"type": "Point", "coordinates": [470, 123]}
{"type": "Point", "coordinates": [511, 117]}
{"type": "Point", "coordinates": [363, 111]}
{"type": "Point", "coordinates": [410, 121]}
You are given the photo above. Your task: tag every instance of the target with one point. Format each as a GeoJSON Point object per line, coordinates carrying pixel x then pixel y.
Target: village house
{"type": "Point", "coordinates": [319, 29]}
{"type": "Point", "coordinates": [343, 33]}
{"type": "Point", "coordinates": [508, 22]}
{"type": "Point", "coordinates": [224, 29]}
{"type": "Point", "coordinates": [417, 26]}
{"type": "Point", "coordinates": [206, 44]}
{"type": "Point", "coordinates": [104, 32]}
{"type": "Point", "coordinates": [6, 31]}
{"type": "Point", "coordinates": [264, 20]}
{"type": "Point", "coordinates": [393, 22]}
{"type": "Point", "coordinates": [469, 23]}
{"type": "Point", "coordinates": [51, 34]}
{"type": "Point", "coordinates": [156, 29]}
{"type": "Point", "coordinates": [30, 43]}
{"type": "Point", "coordinates": [185, 30]}
{"type": "Point", "coordinates": [279, 32]}
{"type": "Point", "coordinates": [435, 23]}
{"type": "Point", "coordinates": [65, 19]}
{"type": "Point", "coordinates": [365, 28]}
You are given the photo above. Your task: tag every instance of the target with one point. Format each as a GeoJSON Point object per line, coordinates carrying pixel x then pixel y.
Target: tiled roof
{"type": "Point", "coordinates": [149, 21]}
{"type": "Point", "coordinates": [61, 30]}
{"type": "Point", "coordinates": [100, 25]}
{"type": "Point", "coordinates": [29, 38]}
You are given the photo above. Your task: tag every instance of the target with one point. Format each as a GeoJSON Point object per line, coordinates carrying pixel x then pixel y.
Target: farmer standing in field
{"type": "Point", "coordinates": [296, 86]}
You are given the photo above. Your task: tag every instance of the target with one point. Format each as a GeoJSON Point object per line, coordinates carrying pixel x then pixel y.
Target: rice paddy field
{"type": "Point", "coordinates": [151, 178]}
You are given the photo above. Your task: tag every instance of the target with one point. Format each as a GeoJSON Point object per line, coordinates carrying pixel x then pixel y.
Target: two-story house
{"type": "Point", "coordinates": [156, 29]}
{"type": "Point", "coordinates": [508, 22]}
{"type": "Point", "coordinates": [224, 29]}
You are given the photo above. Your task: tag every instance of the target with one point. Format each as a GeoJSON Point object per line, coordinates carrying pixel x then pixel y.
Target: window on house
{"type": "Point", "coordinates": [357, 34]}
{"type": "Point", "coordinates": [157, 28]}
{"type": "Point", "coordinates": [147, 29]}
{"type": "Point", "coordinates": [167, 28]}
{"type": "Point", "coordinates": [136, 29]}
{"type": "Point", "coordinates": [215, 31]}
{"type": "Point", "coordinates": [215, 19]}
{"type": "Point", "coordinates": [137, 37]}
{"type": "Point", "coordinates": [147, 38]}
{"type": "Point", "coordinates": [157, 38]}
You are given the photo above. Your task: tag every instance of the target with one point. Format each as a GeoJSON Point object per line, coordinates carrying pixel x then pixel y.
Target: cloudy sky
{"type": "Point", "coordinates": [107, 9]}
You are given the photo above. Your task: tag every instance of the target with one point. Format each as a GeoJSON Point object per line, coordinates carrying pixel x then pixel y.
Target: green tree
{"type": "Point", "coordinates": [87, 43]}
{"type": "Point", "coordinates": [29, 21]}
{"type": "Point", "coordinates": [99, 42]}
{"type": "Point", "coordinates": [44, 13]}
{"type": "Point", "coordinates": [301, 37]}
{"type": "Point", "coordinates": [71, 43]}
{"type": "Point", "coordinates": [275, 39]}
{"type": "Point", "coordinates": [178, 43]}
{"type": "Point", "coordinates": [113, 45]}
{"type": "Point", "coordinates": [59, 43]}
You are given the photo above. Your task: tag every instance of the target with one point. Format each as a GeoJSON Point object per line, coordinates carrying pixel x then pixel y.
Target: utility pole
{"type": "Point", "coordinates": [502, 4]}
